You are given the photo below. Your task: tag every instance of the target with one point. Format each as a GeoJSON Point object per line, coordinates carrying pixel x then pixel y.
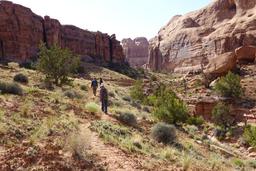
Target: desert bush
{"type": "Point", "coordinates": [249, 135]}
{"type": "Point", "coordinates": [136, 92]}
{"type": "Point", "coordinates": [72, 94]}
{"type": "Point", "coordinates": [57, 64]}
{"type": "Point", "coordinates": [83, 87]}
{"type": "Point", "coordinates": [128, 119]}
{"type": "Point", "coordinates": [92, 107]}
{"type": "Point", "coordinates": [164, 133]}
{"type": "Point", "coordinates": [136, 104]}
{"type": "Point", "coordinates": [21, 78]}
{"type": "Point", "coordinates": [10, 88]}
{"type": "Point", "coordinates": [222, 117]}
{"type": "Point", "coordinates": [111, 94]}
{"type": "Point", "coordinates": [229, 86]}
{"type": "Point", "coordinates": [197, 121]}
{"type": "Point", "coordinates": [168, 107]}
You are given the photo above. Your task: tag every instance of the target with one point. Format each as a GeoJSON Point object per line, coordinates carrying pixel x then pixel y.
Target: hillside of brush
{"type": "Point", "coordinates": [63, 128]}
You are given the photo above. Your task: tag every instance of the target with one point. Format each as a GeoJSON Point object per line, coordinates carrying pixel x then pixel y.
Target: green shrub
{"type": "Point", "coordinates": [229, 86]}
{"type": "Point", "coordinates": [197, 121]}
{"type": "Point", "coordinates": [222, 117]}
{"type": "Point", "coordinates": [21, 78]}
{"type": "Point", "coordinates": [92, 107]}
{"type": "Point", "coordinates": [128, 119]}
{"type": "Point", "coordinates": [57, 64]}
{"type": "Point", "coordinates": [136, 92]}
{"type": "Point", "coordinates": [250, 135]}
{"type": "Point", "coordinates": [168, 107]}
{"type": "Point", "coordinates": [10, 88]}
{"type": "Point", "coordinates": [72, 94]}
{"type": "Point", "coordinates": [83, 87]}
{"type": "Point", "coordinates": [111, 94]}
{"type": "Point", "coordinates": [164, 133]}
{"type": "Point", "coordinates": [239, 163]}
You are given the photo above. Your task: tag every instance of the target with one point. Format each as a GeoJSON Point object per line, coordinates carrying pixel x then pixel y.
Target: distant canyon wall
{"type": "Point", "coordinates": [198, 37]}
{"type": "Point", "coordinates": [136, 51]}
{"type": "Point", "coordinates": [21, 32]}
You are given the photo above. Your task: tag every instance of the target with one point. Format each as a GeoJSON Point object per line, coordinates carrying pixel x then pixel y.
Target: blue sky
{"type": "Point", "coordinates": [125, 18]}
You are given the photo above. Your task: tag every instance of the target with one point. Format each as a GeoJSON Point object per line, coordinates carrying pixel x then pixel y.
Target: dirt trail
{"type": "Point", "coordinates": [111, 157]}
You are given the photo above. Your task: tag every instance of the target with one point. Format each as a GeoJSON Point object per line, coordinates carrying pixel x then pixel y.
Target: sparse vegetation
{"type": "Point", "coordinates": [72, 94]}
{"type": "Point", "coordinates": [21, 78]}
{"type": "Point", "coordinates": [57, 64]}
{"type": "Point", "coordinates": [164, 133]}
{"type": "Point", "coordinates": [92, 107]}
{"type": "Point", "coordinates": [128, 119]}
{"type": "Point", "coordinates": [83, 87]}
{"type": "Point", "coordinates": [10, 88]}
{"type": "Point", "coordinates": [229, 86]}
{"type": "Point", "coordinates": [250, 135]}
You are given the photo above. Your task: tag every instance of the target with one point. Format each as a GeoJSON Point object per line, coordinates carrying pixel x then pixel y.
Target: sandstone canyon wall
{"type": "Point", "coordinates": [220, 29]}
{"type": "Point", "coordinates": [21, 31]}
{"type": "Point", "coordinates": [136, 51]}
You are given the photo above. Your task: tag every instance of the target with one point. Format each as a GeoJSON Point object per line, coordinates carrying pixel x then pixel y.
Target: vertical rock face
{"type": "Point", "coordinates": [21, 32]}
{"type": "Point", "coordinates": [221, 27]}
{"type": "Point", "coordinates": [136, 51]}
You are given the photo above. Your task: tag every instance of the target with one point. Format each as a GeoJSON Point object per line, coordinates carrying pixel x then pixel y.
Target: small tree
{"type": "Point", "coordinates": [229, 86]}
{"type": "Point", "coordinates": [137, 92]}
{"type": "Point", "coordinates": [57, 64]}
{"type": "Point", "coordinates": [222, 117]}
{"type": "Point", "coordinates": [168, 107]}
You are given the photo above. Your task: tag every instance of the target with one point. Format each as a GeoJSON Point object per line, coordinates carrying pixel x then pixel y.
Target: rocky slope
{"type": "Point", "coordinates": [21, 31]}
{"type": "Point", "coordinates": [136, 51]}
{"type": "Point", "coordinates": [220, 28]}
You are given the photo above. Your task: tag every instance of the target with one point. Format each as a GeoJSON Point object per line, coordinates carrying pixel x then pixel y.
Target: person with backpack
{"type": "Point", "coordinates": [94, 86]}
{"type": "Point", "coordinates": [104, 98]}
{"type": "Point", "coordinates": [101, 81]}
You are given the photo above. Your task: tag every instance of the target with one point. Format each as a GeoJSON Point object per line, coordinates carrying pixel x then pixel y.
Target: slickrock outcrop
{"type": "Point", "coordinates": [21, 31]}
{"type": "Point", "coordinates": [136, 51]}
{"type": "Point", "coordinates": [211, 32]}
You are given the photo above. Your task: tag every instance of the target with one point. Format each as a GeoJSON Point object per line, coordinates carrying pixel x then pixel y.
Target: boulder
{"type": "Point", "coordinates": [246, 54]}
{"type": "Point", "coordinates": [220, 65]}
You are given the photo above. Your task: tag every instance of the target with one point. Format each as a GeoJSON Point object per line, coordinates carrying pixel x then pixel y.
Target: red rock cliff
{"type": "Point", "coordinates": [220, 28]}
{"type": "Point", "coordinates": [136, 51]}
{"type": "Point", "coordinates": [21, 31]}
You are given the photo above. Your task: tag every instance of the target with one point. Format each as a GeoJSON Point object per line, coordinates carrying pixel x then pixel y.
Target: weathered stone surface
{"type": "Point", "coordinates": [246, 54]}
{"type": "Point", "coordinates": [221, 64]}
{"type": "Point", "coordinates": [21, 31]}
{"type": "Point", "coordinates": [136, 51]}
{"type": "Point", "coordinates": [221, 27]}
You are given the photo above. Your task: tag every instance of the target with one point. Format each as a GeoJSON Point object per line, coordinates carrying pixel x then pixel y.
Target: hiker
{"type": "Point", "coordinates": [104, 98]}
{"type": "Point", "coordinates": [94, 86]}
{"type": "Point", "coordinates": [101, 81]}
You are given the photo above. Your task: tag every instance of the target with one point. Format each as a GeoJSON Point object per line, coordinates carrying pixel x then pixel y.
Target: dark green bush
{"type": "Point", "coordinates": [229, 86]}
{"type": "Point", "coordinates": [72, 94]}
{"type": "Point", "coordinates": [222, 117]}
{"type": "Point", "coordinates": [250, 135]}
{"type": "Point", "coordinates": [57, 64]}
{"type": "Point", "coordinates": [128, 119]}
{"type": "Point", "coordinates": [21, 78]}
{"type": "Point", "coordinates": [10, 88]}
{"type": "Point", "coordinates": [164, 133]}
{"type": "Point", "coordinates": [168, 107]}
{"type": "Point", "coordinates": [197, 121]}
